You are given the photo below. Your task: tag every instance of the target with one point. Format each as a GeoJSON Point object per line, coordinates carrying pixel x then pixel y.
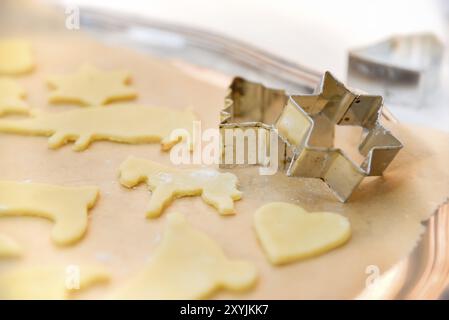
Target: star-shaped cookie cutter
{"type": "Point", "coordinates": [305, 125]}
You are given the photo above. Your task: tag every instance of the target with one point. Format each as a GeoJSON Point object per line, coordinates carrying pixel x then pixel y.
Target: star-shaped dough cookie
{"type": "Point", "coordinates": [91, 87]}
{"type": "Point", "coordinates": [11, 98]}
{"type": "Point", "coordinates": [15, 57]}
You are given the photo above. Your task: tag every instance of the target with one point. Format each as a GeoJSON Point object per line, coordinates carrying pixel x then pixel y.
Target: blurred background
{"type": "Point", "coordinates": [317, 34]}
{"type": "Point", "coordinates": [314, 33]}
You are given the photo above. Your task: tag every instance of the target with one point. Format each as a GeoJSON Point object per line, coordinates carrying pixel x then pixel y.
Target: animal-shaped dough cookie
{"type": "Point", "coordinates": [9, 248]}
{"type": "Point", "coordinates": [187, 265]}
{"type": "Point", "coordinates": [15, 57]}
{"type": "Point", "coordinates": [91, 87]}
{"type": "Point", "coordinates": [67, 207]}
{"type": "Point", "coordinates": [217, 189]}
{"type": "Point", "coordinates": [11, 98]}
{"type": "Point", "coordinates": [48, 282]}
{"type": "Point", "coordinates": [120, 123]}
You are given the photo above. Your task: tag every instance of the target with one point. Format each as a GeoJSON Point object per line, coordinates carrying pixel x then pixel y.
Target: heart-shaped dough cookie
{"type": "Point", "coordinates": [287, 232]}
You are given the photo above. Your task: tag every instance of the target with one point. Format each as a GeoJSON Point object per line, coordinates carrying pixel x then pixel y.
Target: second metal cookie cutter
{"type": "Point", "coordinates": [305, 127]}
{"type": "Point", "coordinates": [405, 69]}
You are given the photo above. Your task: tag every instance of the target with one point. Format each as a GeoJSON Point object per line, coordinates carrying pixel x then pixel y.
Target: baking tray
{"type": "Point", "coordinates": [424, 274]}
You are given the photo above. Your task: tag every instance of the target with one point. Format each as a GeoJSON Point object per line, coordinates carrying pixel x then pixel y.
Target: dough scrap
{"type": "Point", "coordinates": [217, 189]}
{"type": "Point", "coordinates": [15, 57]}
{"type": "Point", "coordinates": [288, 233]}
{"type": "Point", "coordinates": [47, 282]}
{"type": "Point", "coordinates": [11, 98]}
{"type": "Point", "coordinates": [187, 265]}
{"type": "Point", "coordinates": [91, 87]}
{"type": "Point", "coordinates": [67, 207]}
{"type": "Point", "coordinates": [9, 248]}
{"type": "Point", "coordinates": [122, 123]}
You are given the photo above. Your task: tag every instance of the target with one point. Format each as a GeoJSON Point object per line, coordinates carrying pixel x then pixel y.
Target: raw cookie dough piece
{"type": "Point", "coordinates": [91, 87]}
{"type": "Point", "coordinates": [48, 282]}
{"type": "Point", "coordinates": [11, 98]}
{"type": "Point", "coordinates": [67, 207]}
{"type": "Point", "coordinates": [217, 189]}
{"type": "Point", "coordinates": [121, 123]}
{"type": "Point", "coordinates": [287, 232]}
{"type": "Point", "coordinates": [187, 265]}
{"type": "Point", "coordinates": [9, 248]}
{"type": "Point", "coordinates": [15, 57]}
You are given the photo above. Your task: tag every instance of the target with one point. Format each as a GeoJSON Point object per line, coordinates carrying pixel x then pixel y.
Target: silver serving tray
{"type": "Point", "coordinates": [424, 274]}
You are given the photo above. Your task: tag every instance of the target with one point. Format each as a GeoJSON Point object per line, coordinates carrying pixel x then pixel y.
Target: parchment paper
{"type": "Point", "coordinates": [385, 213]}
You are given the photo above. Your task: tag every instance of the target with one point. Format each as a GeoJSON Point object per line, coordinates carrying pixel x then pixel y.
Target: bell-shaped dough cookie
{"type": "Point", "coordinates": [48, 282]}
{"type": "Point", "coordinates": [187, 265]}
{"type": "Point", "coordinates": [67, 207]}
{"type": "Point", "coordinates": [15, 57]}
{"type": "Point", "coordinates": [217, 189]}
{"type": "Point", "coordinates": [91, 87]}
{"type": "Point", "coordinates": [9, 248]}
{"type": "Point", "coordinates": [11, 98]}
{"type": "Point", "coordinates": [288, 233]}
{"type": "Point", "coordinates": [121, 123]}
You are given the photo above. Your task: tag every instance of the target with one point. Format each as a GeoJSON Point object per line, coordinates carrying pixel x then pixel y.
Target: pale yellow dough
{"type": "Point", "coordinates": [288, 233]}
{"type": "Point", "coordinates": [166, 183]}
{"type": "Point", "coordinates": [67, 207]}
{"type": "Point", "coordinates": [9, 248]}
{"type": "Point", "coordinates": [121, 123]}
{"type": "Point", "coordinates": [47, 282]}
{"type": "Point", "coordinates": [11, 98]}
{"type": "Point", "coordinates": [187, 265]}
{"type": "Point", "coordinates": [15, 57]}
{"type": "Point", "coordinates": [91, 87]}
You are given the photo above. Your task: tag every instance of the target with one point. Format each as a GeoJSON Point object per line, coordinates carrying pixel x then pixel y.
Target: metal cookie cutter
{"type": "Point", "coordinates": [305, 126]}
{"type": "Point", "coordinates": [250, 107]}
{"type": "Point", "coordinates": [404, 69]}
